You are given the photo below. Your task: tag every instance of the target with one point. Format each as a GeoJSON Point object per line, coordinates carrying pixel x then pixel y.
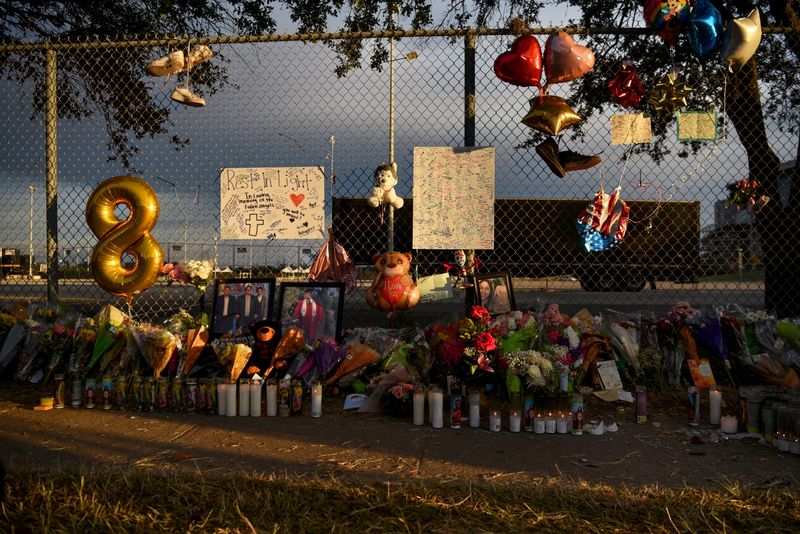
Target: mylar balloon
{"type": "Point", "coordinates": [741, 40]}
{"type": "Point", "coordinates": [550, 115]}
{"type": "Point", "coordinates": [564, 59]}
{"type": "Point", "coordinates": [626, 89]}
{"type": "Point", "coordinates": [666, 14]}
{"type": "Point", "coordinates": [118, 237]}
{"type": "Point", "coordinates": [522, 65]}
{"type": "Point", "coordinates": [704, 28]}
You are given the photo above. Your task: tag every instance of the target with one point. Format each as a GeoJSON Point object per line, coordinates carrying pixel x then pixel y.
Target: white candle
{"type": "Point", "coordinates": [316, 399]}
{"type": "Point", "coordinates": [729, 424]}
{"type": "Point", "coordinates": [222, 392]}
{"type": "Point", "coordinates": [714, 406]}
{"type": "Point", "coordinates": [494, 421]}
{"type": "Point", "coordinates": [437, 408]}
{"type": "Point", "coordinates": [244, 397]}
{"type": "Point", "coordinates": [561, 424]}
{"type": "Point", "coordinates": [538, 424]}
{"type": "Point", "coordinates": [474, 409]}
{"type": "Point", "coordinates": [514, 421]}
{"type": "Point", "coordinates": [255, 398]}
{"type": "Point", "coordinates": [230, 399]}
{"type": "Point", "coordinates": [419, 406]}
{"type": "Point", "coordinates": [550, 425]}
{"type": "Point", "coordinates": [272, 398]}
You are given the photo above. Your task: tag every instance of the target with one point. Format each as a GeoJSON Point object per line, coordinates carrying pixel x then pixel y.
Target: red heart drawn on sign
{"type": "Point", "coordinates": [297, 199]}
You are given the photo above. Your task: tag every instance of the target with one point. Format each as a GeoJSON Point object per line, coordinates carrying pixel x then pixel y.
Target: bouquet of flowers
{"type": "Point", "coordinates": [516, 330]}
{"type": "Point", "coordinates": [397, 399]}
{"type": "Point", "coordinates": [742, 193]}
{"type": "Point", "coordinates": [196, 273]}
{"type": "Point", "coordinates": [531, 366]}
{"type": "Point", "coordinates": [468, 347]}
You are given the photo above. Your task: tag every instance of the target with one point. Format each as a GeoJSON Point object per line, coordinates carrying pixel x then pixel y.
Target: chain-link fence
{"type": "Point", "coordinates": [277, 102]}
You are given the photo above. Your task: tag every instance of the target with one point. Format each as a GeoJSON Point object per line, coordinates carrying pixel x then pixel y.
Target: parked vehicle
{"type": "Point", "coordinates": [537, 237]}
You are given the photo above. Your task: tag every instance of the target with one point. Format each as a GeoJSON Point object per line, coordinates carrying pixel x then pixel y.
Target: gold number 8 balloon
{"type": "Point", "coordinates": [131, 235]}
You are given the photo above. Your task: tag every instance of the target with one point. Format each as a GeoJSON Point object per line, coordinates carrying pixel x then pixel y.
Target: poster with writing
{"type": "Point", "coordinates": [272, 203]}
{"type": "Point", "coordinates": [697, 125]}
{"type": "Point", "coordinates": [453, 198]}
{"type": "Point", "coordinates": [633, 128]}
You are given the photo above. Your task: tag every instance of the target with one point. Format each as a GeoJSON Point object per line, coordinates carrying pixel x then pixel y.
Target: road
{"type": "Point", "coordinates": [160, 301]}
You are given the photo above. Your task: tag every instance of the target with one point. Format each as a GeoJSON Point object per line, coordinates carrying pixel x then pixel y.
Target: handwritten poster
{"type": "Point", "coordinates": [453, 198]}
{"type": "Point", "coordinates": [633, 128]}
{"type": "Point", "coordinates": [272, 203]}
{"type": "Point", "coordinates": [697, 126]}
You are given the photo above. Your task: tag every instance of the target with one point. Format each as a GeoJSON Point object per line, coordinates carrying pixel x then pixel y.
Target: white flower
{"type": "Point", "coordinates": [547, 365]}
{"type": "Point", "coordinates": [572, 335]}
{"type": "Point", "coordinates": [516, 315]}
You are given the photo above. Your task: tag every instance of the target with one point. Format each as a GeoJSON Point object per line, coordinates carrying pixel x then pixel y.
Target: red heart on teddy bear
{"type": "Point", "coordinates": [522, 65]}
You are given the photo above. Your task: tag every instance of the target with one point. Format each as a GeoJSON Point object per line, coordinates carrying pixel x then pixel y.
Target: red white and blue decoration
{"type": "Point", "coordinates": [603, 223]}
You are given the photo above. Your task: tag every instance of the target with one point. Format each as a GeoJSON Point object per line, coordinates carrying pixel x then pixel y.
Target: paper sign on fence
{"type": "Point", "coordinates": [272, 203]}
{"type": "Point", "coordinates": [630, 129]}
{"type": "Point", "coordinates": [697, 126]}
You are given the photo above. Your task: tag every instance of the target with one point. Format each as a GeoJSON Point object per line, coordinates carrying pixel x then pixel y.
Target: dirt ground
{"type": "Point", "coordinates": [664, 452]}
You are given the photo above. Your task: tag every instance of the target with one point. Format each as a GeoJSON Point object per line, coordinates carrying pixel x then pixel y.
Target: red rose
{"type": "Point", "coordinates": [480, 314]}
{"type": "Point", "coordinates": [484, 342]}
{"type": "Point", "coordinates": [450, 351]}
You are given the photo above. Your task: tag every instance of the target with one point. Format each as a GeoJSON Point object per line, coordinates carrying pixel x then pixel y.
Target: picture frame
{"type": "Point", "coordinates": [487, 294]}
{"type": "Point", "coordinates": [234, 322]}
{"type": "Point", "coordinates": [324, 319]}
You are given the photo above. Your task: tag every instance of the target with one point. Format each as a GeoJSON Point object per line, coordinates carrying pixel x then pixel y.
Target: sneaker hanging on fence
{"type": "Point", "coordinates": [603, 223]}
{"type": "Point", "coordinates": [186, 97]}
{"type": "Point", "coordinates": [169, 64]}
{"type": "Point", "coordinates": [197, 55]}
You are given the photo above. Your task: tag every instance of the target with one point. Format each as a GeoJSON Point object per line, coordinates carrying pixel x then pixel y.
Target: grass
{"type": "Point", "coordinates": [155, 501]}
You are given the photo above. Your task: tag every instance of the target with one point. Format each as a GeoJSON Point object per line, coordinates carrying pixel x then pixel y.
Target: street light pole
{"type": "Point", "coordinates": [30, 235]}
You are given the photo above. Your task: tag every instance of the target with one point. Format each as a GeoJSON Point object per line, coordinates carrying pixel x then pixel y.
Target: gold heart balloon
{"type": "Point", "coordinates": [669, 95]}
{"type": "Point", "coordinates": [741, 40]}
{"type": "Point", "coordinates": [564, 59]}
{"type": "Point", "coordinates": [550, 114]}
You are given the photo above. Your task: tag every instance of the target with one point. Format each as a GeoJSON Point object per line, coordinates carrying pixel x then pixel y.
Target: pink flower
{"type": "Point", "coordinates": [58, 328]}
{"type": "Point", "coordinates": [484, 342]}
{"type": "Point", "coordinates": [480, 314]}
{"type": "Point", "coordinates": [167, 268]}
{"type": "Point", "coordinates": [484, 364]}
{"type": "Point", "coordinates": [553, 335]}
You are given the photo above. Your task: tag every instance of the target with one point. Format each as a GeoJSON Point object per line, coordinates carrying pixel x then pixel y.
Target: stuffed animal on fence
{"type": "Point", "coordinates": [393, 289]}
{"type": "Point", "coordinates": [383, 193]}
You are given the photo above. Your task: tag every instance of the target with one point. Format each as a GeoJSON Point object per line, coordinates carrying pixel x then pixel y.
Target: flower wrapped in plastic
{"type": "Point", "coordinates": [709, 333]}
{"type": "Point", "coordinates": [158, 345]}
{"type": "Point", "coordinates": [531, 366]}
{"type": "Point", "coordinates": [759, 331]}
{"type": "Point", "coordinates": [233, 356]}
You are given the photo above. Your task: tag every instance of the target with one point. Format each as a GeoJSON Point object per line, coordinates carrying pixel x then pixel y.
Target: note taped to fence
{"type": "Point", "coordinates": [272, 203]}
{"type": "Point", "coordinates": [630, 129]}
{"type": "Point", "coordinates": [453, 198]}
{"type": "Point", "coordinates": [697, 126]}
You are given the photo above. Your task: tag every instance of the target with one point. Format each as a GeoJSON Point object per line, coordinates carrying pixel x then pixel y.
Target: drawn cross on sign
{"type": "Point", "coordinates": [253, 222]}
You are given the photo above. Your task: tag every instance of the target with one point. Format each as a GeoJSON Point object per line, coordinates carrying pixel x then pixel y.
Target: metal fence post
{"type": "Point", "coordinates": [469, 137]}
{"type": "Point", "coordinates": [51, 185]}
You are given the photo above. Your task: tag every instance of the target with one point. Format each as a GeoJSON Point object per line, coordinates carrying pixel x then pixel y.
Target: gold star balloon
{"type": "Point", "coordinates": [550, 114]}
{"type": "Point", "coordinates": [669, 95]}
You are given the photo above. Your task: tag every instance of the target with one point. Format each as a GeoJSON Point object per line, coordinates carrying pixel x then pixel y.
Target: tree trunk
{"type": "Point", "coordinates": [777, 226]}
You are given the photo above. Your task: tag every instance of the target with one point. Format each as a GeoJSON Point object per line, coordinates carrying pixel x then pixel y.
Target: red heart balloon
{"type": "Point", "coordinates": [565, 60]}
{"type": "Point", "coordinates": [522, 65]}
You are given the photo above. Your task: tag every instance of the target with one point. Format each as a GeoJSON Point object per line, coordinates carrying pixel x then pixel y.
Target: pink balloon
{"type": "Point", "coordinates": [565, 60]}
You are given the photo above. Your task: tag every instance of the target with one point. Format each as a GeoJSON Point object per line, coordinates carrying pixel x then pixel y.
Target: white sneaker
{"type": "Point", "coordinates": [186, 97]}
{"type": "Point", "coordinates": [166, 65]}
{"type": "Point", "coordinates": [197, 55]}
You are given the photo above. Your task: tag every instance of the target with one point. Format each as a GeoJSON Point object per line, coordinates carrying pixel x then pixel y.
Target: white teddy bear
{"type": "Point", "coordinates": [385, 179]}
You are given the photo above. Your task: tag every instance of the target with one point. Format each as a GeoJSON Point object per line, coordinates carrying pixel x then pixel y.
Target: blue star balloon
{"type": "Point", "coordinates": [704, 28]}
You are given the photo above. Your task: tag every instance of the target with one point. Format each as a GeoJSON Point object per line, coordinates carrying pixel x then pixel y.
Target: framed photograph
{"type": "Point", "coordinates": [316, 307]}
{"type": "Point", "coordinates": [494, 292]}
{"type": "Point", "coordinates": [238, 302]}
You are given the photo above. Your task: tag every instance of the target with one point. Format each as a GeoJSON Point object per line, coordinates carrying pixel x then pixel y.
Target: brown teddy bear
{"type": "Point", "coordinates": [393, 289]}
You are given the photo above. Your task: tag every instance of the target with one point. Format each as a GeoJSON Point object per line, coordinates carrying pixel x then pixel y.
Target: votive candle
{"type": "Point", "coordinates": [230, 399]}
{"type": "Point", "coordinates": [419, 405]}
{"type": "Point", "coordinates": [538, 424]}
{"type": "Point", "coordinates": [561, 424]}
{"type": "Point", "coordinates": [272, 398]}
{"type": "Point", "coordinates": [255, 398]}
{"type": "Point", "coordinates": [714, 406]}
{"type": "Point", "coordinates": [515, 421]}
{"type": "Point", "coordinates": [474, 409]}
{"type": "Point", "coordinates": [729, 424]}
{"type": "Point", "coordinates": [244, 397]}
{"type": "Point", "coordinates": [495, 421]}
{"type": "Point", "coordinates": [222, 396]}
{"type": "Point", "coordinates": [316, 398]}
{"type": "Point", "coordinates": [437, 408]}
{"type": "Point", "coordinates": [550, 424]}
